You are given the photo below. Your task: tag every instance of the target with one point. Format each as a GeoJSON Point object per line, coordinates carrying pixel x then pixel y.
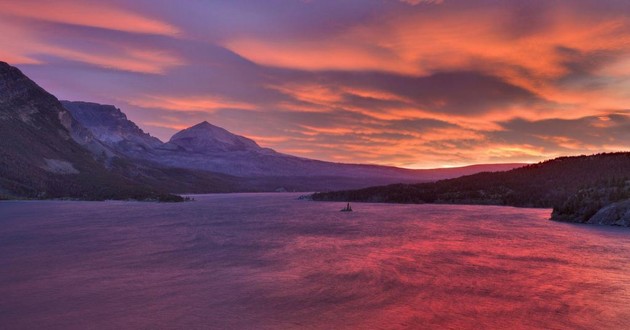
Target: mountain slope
{"type": "Point", "coordinates": [39, 157]}
{"type": "Point", "coordinates": [548, 184]}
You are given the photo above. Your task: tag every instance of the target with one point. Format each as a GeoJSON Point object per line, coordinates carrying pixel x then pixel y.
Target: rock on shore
{"type": "Point", "coordinates": [617, 214]}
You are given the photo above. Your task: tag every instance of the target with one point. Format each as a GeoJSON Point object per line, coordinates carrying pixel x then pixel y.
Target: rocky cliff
{"type": "Point", "coordinates": [111, 127]}
{"type": "Point", "coordinates": [39, 153]}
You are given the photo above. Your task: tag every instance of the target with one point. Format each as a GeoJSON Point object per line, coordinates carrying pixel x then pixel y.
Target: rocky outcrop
{"type": "Point", "coordinates": [598, 202]}
{"type": "Point", "coordinates": [617, 214]}
{"type": "Point", "coordinates": [111, 127]}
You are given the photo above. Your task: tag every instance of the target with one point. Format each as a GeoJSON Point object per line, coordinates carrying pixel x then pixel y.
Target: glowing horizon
{"type": "Point", "coordinates": [416, 84]}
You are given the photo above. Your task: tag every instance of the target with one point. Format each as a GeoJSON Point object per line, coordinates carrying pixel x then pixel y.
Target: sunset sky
{"type": "Point", "coordinates": [409, 83]}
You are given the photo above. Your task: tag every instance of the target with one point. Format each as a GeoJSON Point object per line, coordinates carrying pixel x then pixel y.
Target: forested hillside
{"type": "Point", "coordinates": [576, 187]}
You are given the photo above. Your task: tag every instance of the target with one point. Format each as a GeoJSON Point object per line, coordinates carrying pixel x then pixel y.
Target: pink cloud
{"type": "Point", "coordinates": [94, 14]}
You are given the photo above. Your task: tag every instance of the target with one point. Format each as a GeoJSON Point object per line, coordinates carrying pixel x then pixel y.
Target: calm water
{"type": "Point", "coordinates": [259, 261]}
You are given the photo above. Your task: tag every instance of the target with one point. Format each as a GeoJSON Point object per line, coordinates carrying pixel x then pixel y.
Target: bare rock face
{"type": "Point", "coordinates": [111, 127]}
{"type": "Point", "coordinates": [617, 214]}
{"type": "Point", "coordinates": [59, 166]}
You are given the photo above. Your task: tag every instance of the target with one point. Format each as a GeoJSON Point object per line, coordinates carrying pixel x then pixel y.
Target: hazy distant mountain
{"type": "Point", "coordinates": [206, 147]}
{"type": "Point", "coordinates": [576, 187]}
{"type": "Point", "coordinates": [207, 138]}
{"type": "Point", "coordinates": [39, 152]}
{"type": "Point", "coordinates": [211, 148]}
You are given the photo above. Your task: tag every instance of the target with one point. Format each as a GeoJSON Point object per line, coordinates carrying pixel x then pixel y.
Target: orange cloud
{"type": "Point", "coordinates": [177, 127]}
{"type": "Point", "coordinates": [133, 60]}
{"type": "Point", "coordinates": [17, 43]}
{"type": "Point", "coordinates": [94, 14]}
{"type": "Point", "coordinates": [341, 54]}
{"type": "Point", "coordinates": [570, 65]}
{"type": "Point", "coordinates": [417, 44]}
{"type": "Point", "coordinates": [196, 103]}
{"type": "Point", "coordinates": [327, 98]}
{"type": "Point", "coordinates": [265, 140]}
{"type": "Point", "coordinates": [24, 43]}
{"type": "Point", "coordinates": [375, 94]}
{"type": "Point", "coordinates": [311, 93]}
{"type": "Point", "coordinates": [568, 143]}
{"type": "Point", "coordinates": [417, 2]}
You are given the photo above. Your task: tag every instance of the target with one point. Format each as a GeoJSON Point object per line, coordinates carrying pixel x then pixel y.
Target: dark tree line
{"type": "Point", "coordinates": [573, 186]}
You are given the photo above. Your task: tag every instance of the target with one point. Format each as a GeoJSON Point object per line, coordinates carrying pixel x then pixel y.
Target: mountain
{"type": "Point", "coordinates": [206, 147]}
{"type": "Point", "coordinates": [125, 145]}
{"type": "Point", "coordinates": [39, 153]}
{"type": "Point", "coordinates": [92, 151]}
{"type": "Point", "coordinates": [576, 187]}
{"type": "Point", "coordinates": [207, 138]}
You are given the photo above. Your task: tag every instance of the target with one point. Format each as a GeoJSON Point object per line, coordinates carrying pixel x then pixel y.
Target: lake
{"type": "Point", "coordinates": [270, 261]}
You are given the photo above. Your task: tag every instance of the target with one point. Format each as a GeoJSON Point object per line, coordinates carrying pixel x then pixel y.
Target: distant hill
{"type": "Point", "coordinates": [576, 187]}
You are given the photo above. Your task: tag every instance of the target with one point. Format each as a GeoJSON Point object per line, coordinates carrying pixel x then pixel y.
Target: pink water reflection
{"type": "Point", "coordinates": [270, 261]}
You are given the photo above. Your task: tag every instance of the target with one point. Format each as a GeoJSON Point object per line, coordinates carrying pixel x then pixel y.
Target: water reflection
{"type": "Point", "coordinates": [270, 261]}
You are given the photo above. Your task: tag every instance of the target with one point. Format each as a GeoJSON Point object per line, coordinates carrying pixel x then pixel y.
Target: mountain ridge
{"type": "Point", "coordinates": [207, 147]}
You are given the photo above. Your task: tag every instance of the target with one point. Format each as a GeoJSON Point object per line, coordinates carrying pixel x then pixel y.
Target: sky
{"type": "Point", "coordinates": [410, 83]}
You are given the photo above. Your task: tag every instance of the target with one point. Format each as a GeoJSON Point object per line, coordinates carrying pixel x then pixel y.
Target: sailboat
{"type": "Point", "coordinates": [348, 208]}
